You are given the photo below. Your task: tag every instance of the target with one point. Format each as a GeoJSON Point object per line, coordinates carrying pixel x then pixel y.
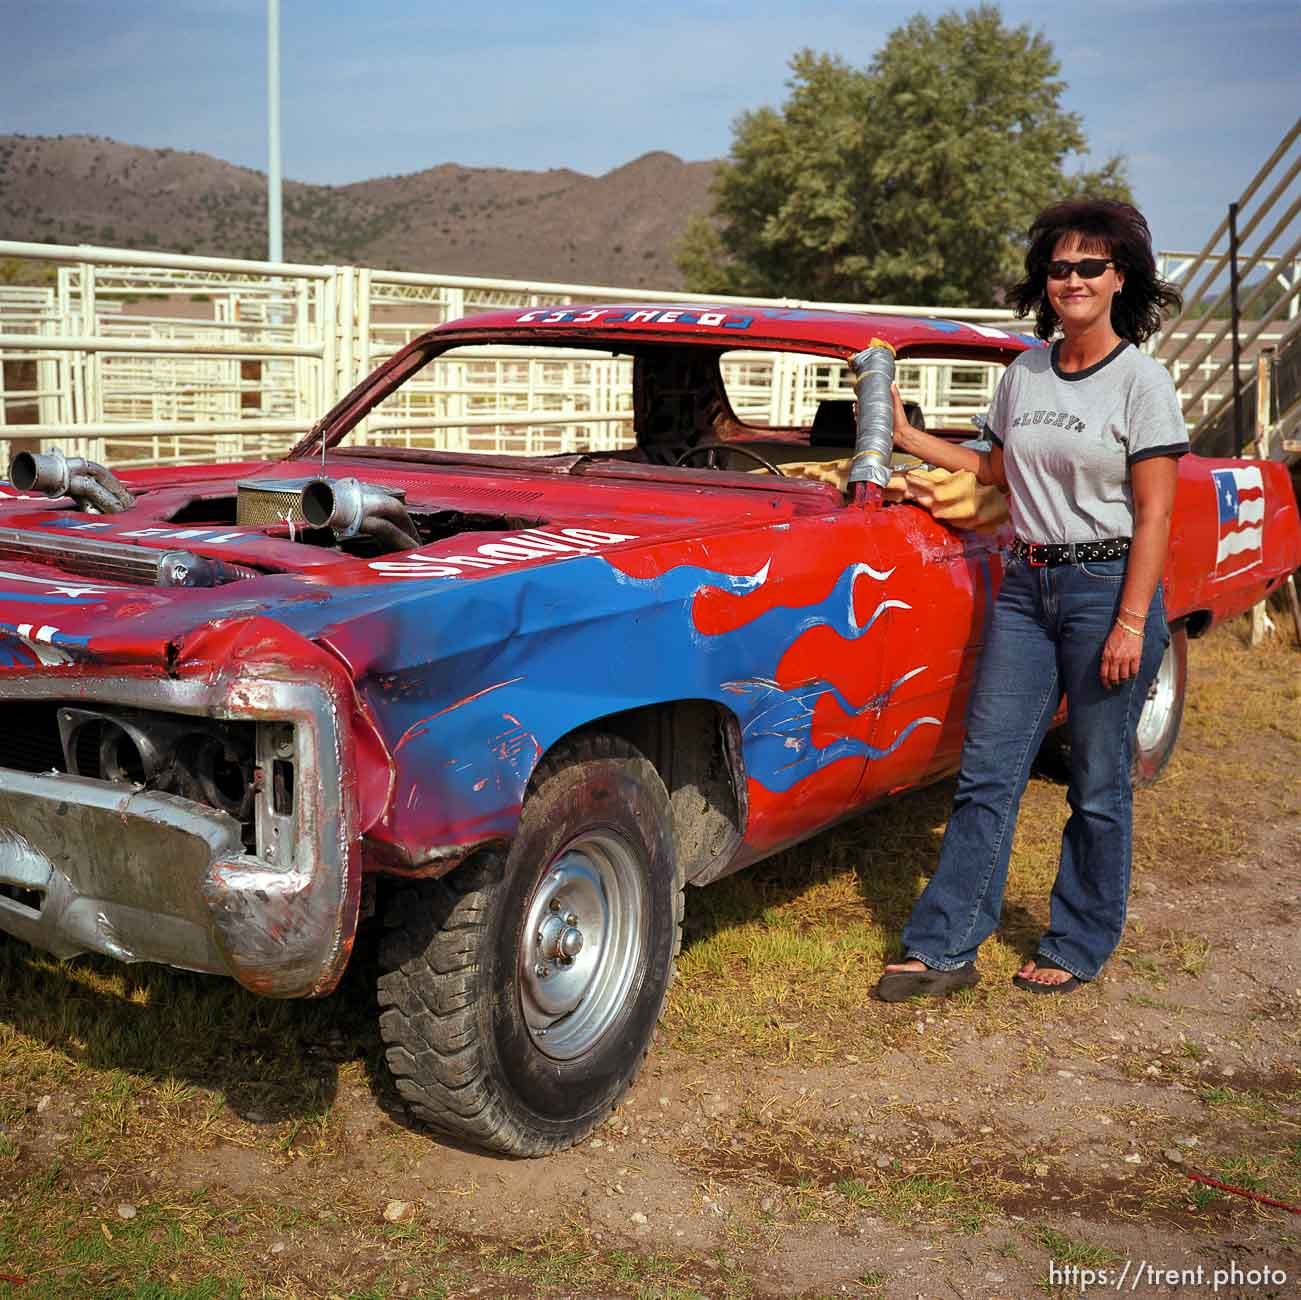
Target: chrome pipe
{"type": "Point", "coordinates": [353, 508]}
{"type": "Point", "coordinates": [87, 482]}
{"type": "Point", "coordinates": [874, 440]}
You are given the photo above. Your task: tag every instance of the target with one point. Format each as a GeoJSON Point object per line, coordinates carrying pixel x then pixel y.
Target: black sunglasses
{"type": "Point", "coordinates": [1087, 268]}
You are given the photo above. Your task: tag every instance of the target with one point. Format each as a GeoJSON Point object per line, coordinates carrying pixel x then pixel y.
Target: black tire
{"type": "Point", "coordinates": [473, 1050]}
{"type": "Point", "coordinates": [1158, 724]}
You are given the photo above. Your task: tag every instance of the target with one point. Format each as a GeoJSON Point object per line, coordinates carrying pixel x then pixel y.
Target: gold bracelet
{"type": "Point", "coordinates": [1133, 631]}
{"type": "Point", "coordinates": [1125, 609]}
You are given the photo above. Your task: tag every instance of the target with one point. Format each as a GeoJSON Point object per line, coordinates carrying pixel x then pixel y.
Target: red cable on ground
{"type": "Point", "coordinates": [1239, 1191]}
{"type": "Point", "coordinates": [12, 1279]}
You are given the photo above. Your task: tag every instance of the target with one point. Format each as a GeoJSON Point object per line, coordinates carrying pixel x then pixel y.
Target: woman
{"type": "Point", "coordinates": [1085, 439]}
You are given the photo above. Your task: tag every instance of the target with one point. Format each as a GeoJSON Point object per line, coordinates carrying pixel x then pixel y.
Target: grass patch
{"type": "Point", "coordinates": [1156, 1004]}
{"type": "Point", "coordinates": [1070, 1250]}
{"type": "Point", "coordinates": [920, 1198]}
{"type": "Point", "coordinates": [1160, 957]}
{"type": "Point", "coordinates": [1188, 953]}
{"type": "Point", "coordinates": [1276, 1174]}
{"type": "Point", "coordinates": [826, 1174]}
{"type": "Point", "coordinates": [1253, 1107]}
{"type": "Point", "coordinates": [66, 1245]}
{"type": "Point", "coordinates": [1270, 1168]}
{"type": "Point", "coordinates": [565, 1262]}
{"type": "Point", "coordinates": [141, 1057]}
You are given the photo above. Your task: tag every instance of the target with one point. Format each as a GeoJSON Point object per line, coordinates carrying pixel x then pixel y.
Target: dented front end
{"type": "Point", "coordinates": [205, 823]}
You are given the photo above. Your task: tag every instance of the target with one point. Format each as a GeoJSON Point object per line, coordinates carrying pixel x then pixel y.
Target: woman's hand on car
{"type": "Point", "coordinates": [958, 499]}
{"type": "Point", "coordinates": [905, 435]}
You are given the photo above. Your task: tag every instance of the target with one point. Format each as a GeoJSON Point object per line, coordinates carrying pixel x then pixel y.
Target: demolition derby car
{"type": "Point", "coordinates": [514, 703]}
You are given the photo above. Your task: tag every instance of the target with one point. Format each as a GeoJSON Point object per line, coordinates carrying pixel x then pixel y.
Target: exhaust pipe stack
{"type": "Point", "coordinates": [353, 508]}
{"type": "Point", "coordinates": [53, 474]}
{"type": "Point", "coordinates": [873, 374]}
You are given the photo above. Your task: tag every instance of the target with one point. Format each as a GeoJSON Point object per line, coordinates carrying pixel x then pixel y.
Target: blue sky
{"type": "Point", "coordinates": [1196, 94]}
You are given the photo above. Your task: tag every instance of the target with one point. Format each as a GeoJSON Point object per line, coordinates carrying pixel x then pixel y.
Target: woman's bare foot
{"type": "Point", "coordinates": [911, 978]}
{"type": "Point", "coordinates": [1048, 975]}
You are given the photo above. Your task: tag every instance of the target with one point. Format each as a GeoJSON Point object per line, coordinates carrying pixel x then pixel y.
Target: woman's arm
{"type": "Point", "coordinates": [1153, 482]}
{"type": "Point", "coordinates": [987, 466]}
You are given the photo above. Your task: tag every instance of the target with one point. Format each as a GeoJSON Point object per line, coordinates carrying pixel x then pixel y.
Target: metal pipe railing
{"type": "Point", "coordinates": [1244, 269]}
{"type": "Point", "coordinates": [1210, 416]}
{"type": "Point", "coordinates": [151, 429]}
{"type": "Point", "coordinates": [1244, 233]}
{"type": "Point", "coordinates": [1271, 187]}
{"type": "Point", "coordinates": [170, 347]}
{"type": "Point", "coordinates": [1223, 228]}
{"type": "Point", "coordinates": [94, 255]}
{"type": "Point", "coordinates": [1271, 314]}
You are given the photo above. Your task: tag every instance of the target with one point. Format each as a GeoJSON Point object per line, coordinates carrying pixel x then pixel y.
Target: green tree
{"type": "Point", "coordinates": [911, 181]}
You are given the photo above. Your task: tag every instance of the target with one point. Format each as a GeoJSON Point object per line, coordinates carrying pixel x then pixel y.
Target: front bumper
{"type": "Point", "coordinates": [97, 866]}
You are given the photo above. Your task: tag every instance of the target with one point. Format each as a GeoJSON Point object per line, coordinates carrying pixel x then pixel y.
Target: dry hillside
{"type": "Point", "coordinates": [619, 228]}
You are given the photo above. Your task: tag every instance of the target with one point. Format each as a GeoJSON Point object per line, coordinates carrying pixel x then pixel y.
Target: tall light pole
{"type": "Point", "coordinates": [275, 242]}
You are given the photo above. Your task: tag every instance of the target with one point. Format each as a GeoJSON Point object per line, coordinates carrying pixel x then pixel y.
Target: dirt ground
{"type": "Point", "coordinates": [1091, 1108]}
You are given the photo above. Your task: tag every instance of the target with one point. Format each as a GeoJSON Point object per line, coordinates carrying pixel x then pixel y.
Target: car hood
{"type": "Point", "coordinates": [63, 603]}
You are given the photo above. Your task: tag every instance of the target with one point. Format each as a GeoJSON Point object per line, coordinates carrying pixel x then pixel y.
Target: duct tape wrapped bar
{"type": "Point", "coordinates": [873, 374]}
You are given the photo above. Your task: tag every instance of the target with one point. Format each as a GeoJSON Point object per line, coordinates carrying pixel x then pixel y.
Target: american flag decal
{"type": "Point", "coordinates": [1240, 500]}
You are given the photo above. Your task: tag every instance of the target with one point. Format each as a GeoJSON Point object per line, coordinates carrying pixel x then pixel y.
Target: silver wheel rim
{"type": "Point", "coordinates": [1158, 709]}
{"type": "Point", "coordinates": [582, 944]}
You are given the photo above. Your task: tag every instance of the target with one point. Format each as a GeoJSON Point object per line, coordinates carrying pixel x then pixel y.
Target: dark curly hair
{"type": "Point", "coordinates": [1104, 226]}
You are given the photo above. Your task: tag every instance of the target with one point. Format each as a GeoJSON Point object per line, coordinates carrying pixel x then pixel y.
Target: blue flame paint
{"type": "Point", "coordinates": [778, 735]}
{"type": "Point", "coordinates": [480, 678]}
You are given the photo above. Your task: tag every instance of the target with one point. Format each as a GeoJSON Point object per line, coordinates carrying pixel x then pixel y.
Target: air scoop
{"type": "Point", "coordinates": [353, 508]}
{"type": "Point", "coordinates": [119, 562]}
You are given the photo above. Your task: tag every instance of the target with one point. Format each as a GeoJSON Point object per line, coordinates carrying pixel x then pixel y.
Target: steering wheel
{"type": "Point", "coordinates": [713, 448]}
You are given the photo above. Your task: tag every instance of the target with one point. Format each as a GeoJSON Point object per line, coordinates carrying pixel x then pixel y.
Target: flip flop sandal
{"type": "Point", "coordinates": [1037, 986]}
{"type": "Point", "coordinates": [898, 985]}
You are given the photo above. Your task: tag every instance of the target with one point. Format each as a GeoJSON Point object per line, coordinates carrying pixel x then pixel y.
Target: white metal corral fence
{"type": "Point", "coordinates": [135, 358]}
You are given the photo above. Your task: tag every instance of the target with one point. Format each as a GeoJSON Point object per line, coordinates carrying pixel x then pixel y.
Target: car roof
{"type": "Point", "coordinates": [639, 328]}
{"type": "Point", "coordinates": [737, 326]}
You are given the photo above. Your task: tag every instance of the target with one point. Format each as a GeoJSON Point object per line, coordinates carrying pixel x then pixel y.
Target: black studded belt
{"type": "Point", "coordinates": [1039, 554]}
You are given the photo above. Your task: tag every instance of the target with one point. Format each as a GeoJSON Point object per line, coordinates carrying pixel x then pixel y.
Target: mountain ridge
{"type": "Point", "coordinates": [559, 224]}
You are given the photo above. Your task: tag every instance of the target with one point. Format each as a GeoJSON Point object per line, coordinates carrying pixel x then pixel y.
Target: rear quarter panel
{"type": "Point", "coordinates": [1234, 536]}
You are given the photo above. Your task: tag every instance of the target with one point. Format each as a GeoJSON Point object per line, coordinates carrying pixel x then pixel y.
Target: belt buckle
{"type": "Point", "coordinates": [1030, 548]}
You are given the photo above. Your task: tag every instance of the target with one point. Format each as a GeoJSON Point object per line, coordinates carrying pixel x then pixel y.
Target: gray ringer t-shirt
{"type": "Point", "coordinates": [1069, 439]}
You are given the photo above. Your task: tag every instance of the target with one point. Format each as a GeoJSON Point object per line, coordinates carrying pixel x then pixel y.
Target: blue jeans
{"type": "Point", "coordinates": [1046, 637]}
